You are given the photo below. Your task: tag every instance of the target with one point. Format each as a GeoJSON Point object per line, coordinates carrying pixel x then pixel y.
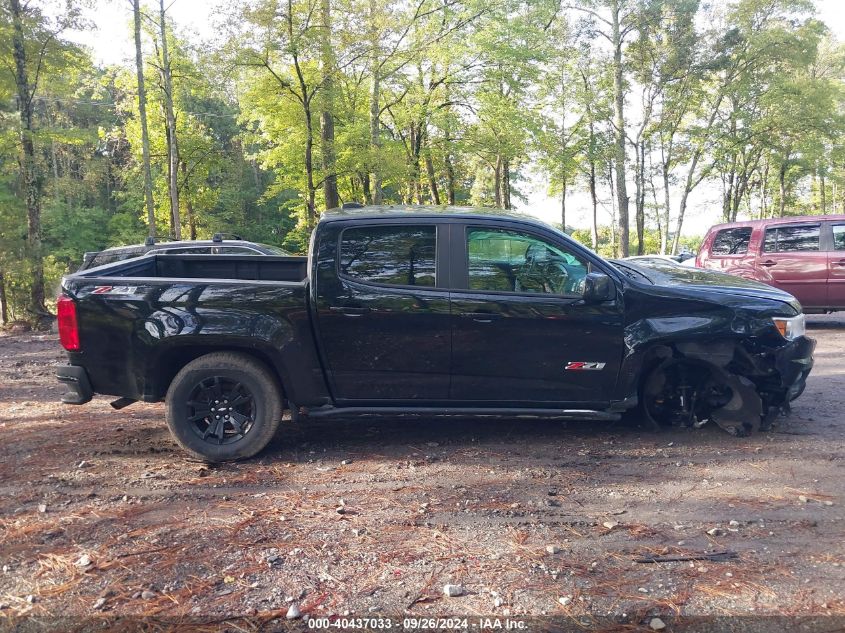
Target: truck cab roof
{"type": "Point", "coordinates": [442, 212]}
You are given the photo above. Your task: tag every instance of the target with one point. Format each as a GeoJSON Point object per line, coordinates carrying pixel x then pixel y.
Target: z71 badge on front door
{"type": "Point", "coordinates": [580, 365]}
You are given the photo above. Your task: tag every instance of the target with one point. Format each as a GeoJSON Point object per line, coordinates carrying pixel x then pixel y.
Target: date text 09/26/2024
{"type": "Point", "coordinates": [421, 624]}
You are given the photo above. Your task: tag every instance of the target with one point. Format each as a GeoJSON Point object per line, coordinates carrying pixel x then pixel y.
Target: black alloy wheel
{"type": "Point", "coordinates": [224, 406]}
{"type": "Point", "coordinates": [221, 410]}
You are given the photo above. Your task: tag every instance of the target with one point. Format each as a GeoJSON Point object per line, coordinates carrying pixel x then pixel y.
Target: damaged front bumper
{"type": "Point", "coordinates": [741, 386]}
{"type": "Point", "coordinates": [793, 363]}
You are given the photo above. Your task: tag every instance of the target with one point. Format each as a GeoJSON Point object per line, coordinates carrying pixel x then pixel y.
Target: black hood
{"type": "Point", "coordinates": [700, 279]}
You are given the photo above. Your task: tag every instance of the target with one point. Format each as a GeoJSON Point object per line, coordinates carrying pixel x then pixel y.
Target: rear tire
{"type": "Point", "coordinates": [223, 407]}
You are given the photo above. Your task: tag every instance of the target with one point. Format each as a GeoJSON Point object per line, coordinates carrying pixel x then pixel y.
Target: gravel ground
{"type": "Point", "coordinates": [101, 514]}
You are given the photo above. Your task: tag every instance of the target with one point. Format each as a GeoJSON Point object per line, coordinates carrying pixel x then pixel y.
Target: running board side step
{"type": "Point", "coordinates": [558, 414]}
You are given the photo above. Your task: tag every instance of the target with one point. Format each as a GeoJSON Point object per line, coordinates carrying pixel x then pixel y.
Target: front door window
{"type": "Point", "coordinates": [512, 261]}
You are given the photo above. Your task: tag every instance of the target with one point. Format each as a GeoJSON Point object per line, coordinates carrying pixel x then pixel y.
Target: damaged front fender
{"type": "Point", "coordinates": [740, 380]}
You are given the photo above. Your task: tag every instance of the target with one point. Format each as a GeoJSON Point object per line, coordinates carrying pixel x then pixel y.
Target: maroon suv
{"type": "Point", "coordinates": [804, 256]}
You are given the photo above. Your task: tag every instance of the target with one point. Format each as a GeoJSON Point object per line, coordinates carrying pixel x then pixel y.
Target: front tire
{"type": "Point", "coordinates": [223, 407]}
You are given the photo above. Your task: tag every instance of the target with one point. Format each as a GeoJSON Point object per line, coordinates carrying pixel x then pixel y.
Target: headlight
{"type": "Point", "coordinates": [790, 329]}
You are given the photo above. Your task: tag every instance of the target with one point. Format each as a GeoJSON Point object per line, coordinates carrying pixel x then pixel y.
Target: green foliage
{"type": "Point", "coordinates": [470, 98]}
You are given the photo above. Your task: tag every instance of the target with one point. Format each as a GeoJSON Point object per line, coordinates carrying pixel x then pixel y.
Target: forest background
{"type": "Point", "coordinates": [627, 121]}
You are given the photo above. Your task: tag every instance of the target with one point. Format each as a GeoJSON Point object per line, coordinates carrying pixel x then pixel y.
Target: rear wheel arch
{"type": "Point", "coordinates": [168, 363]}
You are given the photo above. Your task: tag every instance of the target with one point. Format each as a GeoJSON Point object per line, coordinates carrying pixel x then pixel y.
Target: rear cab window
{"type": "Point", "coordinates": [389, 255]}
{"type": "Point", "coordinates": [733, 241]}
{"type": "Point", "coordinates": [792, 239]}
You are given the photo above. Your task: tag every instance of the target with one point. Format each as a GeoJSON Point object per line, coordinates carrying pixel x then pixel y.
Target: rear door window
{"type": "Point", "coordinates": [732, 241]}
{"type": "Point", "coordinates": [394, 255]}
{"type": "Point", "coordinates": [839, 237]}
{"type": "Point", "coordinates": [792, 239]}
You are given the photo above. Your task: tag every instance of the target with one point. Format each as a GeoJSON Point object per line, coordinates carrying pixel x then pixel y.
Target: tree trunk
{"type": "Point", "coordinates": [54, 159]}
{"type": "Point", "coordinates": [782, 183]}
{"type": "Point", "coordinates": [506, 184]}
{"type": "Point", "coordinates": [189, 207]}
{"type": "Point", "coordinates": [497, 183]}
{"type": "Point", "coordinates": [641, 199]}
{"type": "Point", "coordinates": [594, 227]}
{"type": "Point", "coordinates": [728, 193]}
{"type": "Point", "coordinates": [613, 226]}
{"type": "Point", "coordinates": [450, 178]}
{"type": "Point", "coordinates": [432, 179]}
{"type": "Point", "coordinates": [563, 205]}
{"type": "Point", "coordinates": [833, 197]}
{"type": "Point", "coordinates": [327, 116]}
{"type": "Point", "coordinates": [594, 220]}
{"type": "Point", "coordinates": [823, 193]}
{"type": "Point", "coordinates": [664, 237]}
{"type": "Point", "coordinates": [415, 139]}
{"type": "Point", "coordinates": [170, 117]}
{"type": "Point", "coordinates": [739, 194]}
{"type": "Point", "coordinates": [4, 307]}
{"type": "Point", "coordinates": [311, 193]}
{"type": "Point", "coordinates": [447, 158]}
{"type": "Point", "coordinates": [764, 185]}
{"type": "Point", "coordinates": [192, 222]}
{"type": "Point", "coordinates": [375, 112]}
{"type": "Point", "coordinates": [142, 114]}
{"type": "Point", "coordinates": [619, 131]}
{"type": "Point", "coordinates": [662, 227]}
{"type": "Point", "coordinates": [30, 180]}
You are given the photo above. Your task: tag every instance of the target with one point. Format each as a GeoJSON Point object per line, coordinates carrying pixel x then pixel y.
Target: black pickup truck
{"type": "Point", "coordinates": [431, 311]}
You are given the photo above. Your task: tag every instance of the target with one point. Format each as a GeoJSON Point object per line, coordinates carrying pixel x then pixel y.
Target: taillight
{"type": "Point", "coordinates": [68, 326]}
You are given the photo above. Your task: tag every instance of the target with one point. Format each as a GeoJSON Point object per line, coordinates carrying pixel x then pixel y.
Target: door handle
{"type": "Point", "coordinates": [768, 262]}
{"type": "Point", "coordinates": [347, 311]}
{"type": "Point", "coordinates": [841, 262]}
{"type": "Point", "coordinates": [481, 317]}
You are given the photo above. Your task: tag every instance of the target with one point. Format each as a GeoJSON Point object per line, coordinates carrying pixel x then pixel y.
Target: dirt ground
{"type": "Point", "coordinates": [102, 515]}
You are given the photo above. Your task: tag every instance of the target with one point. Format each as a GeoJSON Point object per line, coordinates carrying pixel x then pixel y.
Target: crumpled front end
{"type": "Point", "coordinates": [741, 385]}
{"type": "Point", "coordinates": [794, 363]}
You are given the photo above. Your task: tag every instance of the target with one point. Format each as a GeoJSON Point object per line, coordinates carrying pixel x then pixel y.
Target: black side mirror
{"type": "Point", "coordinates": [598, 287]}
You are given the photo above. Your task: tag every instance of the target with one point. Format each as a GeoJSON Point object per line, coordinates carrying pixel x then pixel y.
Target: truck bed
{"type": "Point", "coordinates": [164, 309]}
{"type": "Point", "coordinates": [209, 267]}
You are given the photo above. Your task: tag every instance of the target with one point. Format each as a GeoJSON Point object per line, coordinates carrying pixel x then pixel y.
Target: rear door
{"type": "Point", "coordinates": [383, 311]}
{"type": "Point", "coordinates": [836, 267]}
{"type": "Point", "coordinates": [522, 334]}
{"type": "Point", "coordinates": [793, 260]}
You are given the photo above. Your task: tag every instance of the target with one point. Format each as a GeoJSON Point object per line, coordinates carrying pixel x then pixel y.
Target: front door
{"type": "Point", "coordinates": [836, 268]}
{"type": "Point", "coordinates": [383, 316]}
{"type": "Point", "coordinates": [792, 259]}
{"type": "Point", "coordinates": [522, 334]}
